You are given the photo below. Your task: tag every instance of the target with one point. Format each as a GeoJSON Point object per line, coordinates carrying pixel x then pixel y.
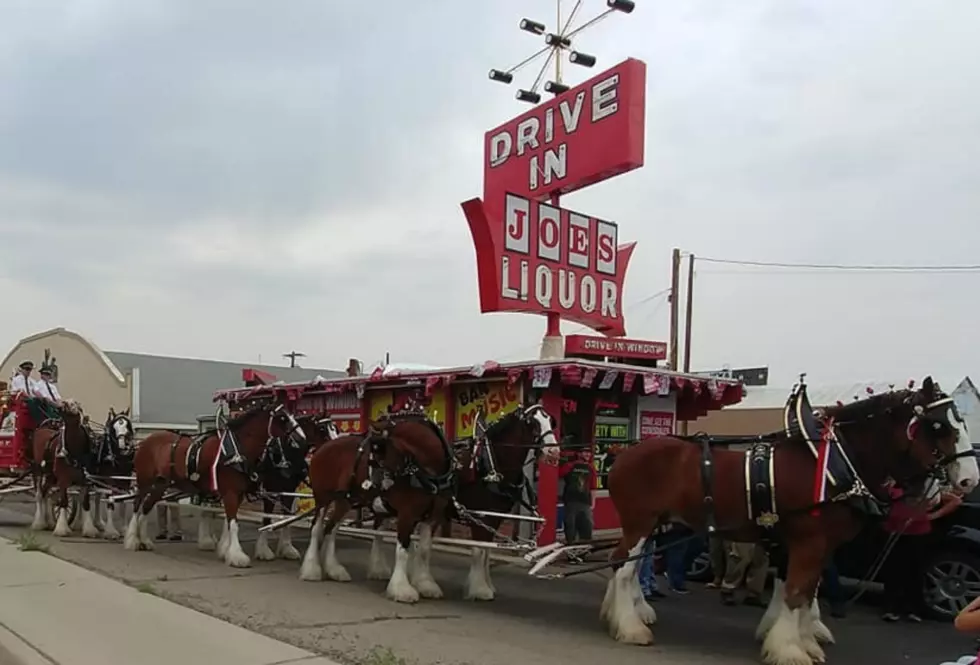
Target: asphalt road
{"type": "Point", "coordinates": [544, 622]}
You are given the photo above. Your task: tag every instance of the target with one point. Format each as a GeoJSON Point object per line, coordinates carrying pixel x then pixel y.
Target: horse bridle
{"type": "Point", "coordinates": [294, 427]}
{"type": "Point", "coordinates": [923, 413]}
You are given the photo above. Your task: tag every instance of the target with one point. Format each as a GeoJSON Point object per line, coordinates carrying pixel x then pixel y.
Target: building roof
{"type": "Point", "coordinates": [177, 390]}
{"type": "Point", "coordinates": [696, 394]}
{"type": "Point", "coordinates": [774, 397]}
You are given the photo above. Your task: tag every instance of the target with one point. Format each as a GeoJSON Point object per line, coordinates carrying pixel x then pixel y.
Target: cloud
{"type": "Point", "coordinates": [230, 178]}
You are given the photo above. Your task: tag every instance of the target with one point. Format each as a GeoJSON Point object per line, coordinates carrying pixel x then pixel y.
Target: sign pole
{"type": "Point", "coordinates": [688, 315]}
{"type": "Point", "coordinates": [552, 346]}
{"type": "Point", "coordinates": [675, 285]}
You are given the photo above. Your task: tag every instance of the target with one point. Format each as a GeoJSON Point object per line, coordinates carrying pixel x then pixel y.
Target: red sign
{"type": "Point", "coordinates": [656, 423]}
{"type": "Point", "coordinates": [540, 259]}
{"type": "Point", "coordinates": [591, 133]}
{"type": "Point", "coordinates": [617, 347]}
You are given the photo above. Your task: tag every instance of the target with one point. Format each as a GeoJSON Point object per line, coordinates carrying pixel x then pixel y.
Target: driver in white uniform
{"type": "Point", "coordinates": [45, 389]}
{"type": "Point", "coordinates": [22, 381]}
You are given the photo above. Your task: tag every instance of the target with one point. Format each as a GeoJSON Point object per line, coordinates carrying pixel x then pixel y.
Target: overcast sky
{"type": "Point", "coordinates": [233, 179]}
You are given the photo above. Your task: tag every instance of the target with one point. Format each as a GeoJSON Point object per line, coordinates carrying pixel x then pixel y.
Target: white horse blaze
{"type": "Point", "coordinates": [964, 473]}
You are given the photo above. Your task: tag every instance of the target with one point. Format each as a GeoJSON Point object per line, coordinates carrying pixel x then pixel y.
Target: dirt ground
{"type": "Point", "coordinates": [539, 621]}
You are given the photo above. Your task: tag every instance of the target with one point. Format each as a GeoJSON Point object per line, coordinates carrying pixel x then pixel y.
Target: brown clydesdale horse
{"type": "Point", "coordinates": [404, 467]}
{"type": "Point", "coordinates": [776, 491]}
{"type": "Point", "coordinates": [61, 451]}
{"type": "Point", "coordinates": [282, 468]}
{"type": "Point", "coordinates": [492, 479]}
{"type": "Point", "coordinates": [171, 459]}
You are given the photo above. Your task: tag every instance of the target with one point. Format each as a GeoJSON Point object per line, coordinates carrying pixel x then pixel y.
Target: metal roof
{"type": "Point", "coordinates": [177, 390]}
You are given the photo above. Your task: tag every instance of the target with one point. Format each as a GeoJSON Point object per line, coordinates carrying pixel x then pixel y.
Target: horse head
{"type": "Point", "coordinates": [913, 436]}
{"type": "Point", "coordinates": [119, 429]}
{"type": "Point", "coordinates": [512, 437]}
{"type": "Point", "coordinates": [260, 424]}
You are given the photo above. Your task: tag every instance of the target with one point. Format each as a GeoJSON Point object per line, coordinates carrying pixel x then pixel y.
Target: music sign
{"type": "Point", "coordinates": [539, 258]}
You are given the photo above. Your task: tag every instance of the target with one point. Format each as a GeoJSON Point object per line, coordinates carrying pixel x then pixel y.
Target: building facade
{"type": "Point", "coordinates": [161, 392]}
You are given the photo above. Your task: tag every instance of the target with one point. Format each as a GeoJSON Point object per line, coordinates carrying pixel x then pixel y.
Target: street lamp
{"type": "Point", "coordinates": [556, 43]}
{"type": "Point", "coordinates": [581, 59]}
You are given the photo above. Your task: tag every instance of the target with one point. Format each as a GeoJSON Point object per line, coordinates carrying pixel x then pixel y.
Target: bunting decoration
{"type": "Point", "coordinates": [514, 375]}
{"type": "Point", "coordinates": [664, 386]}
{"type": "Point", "coordinates": [716, 389]}
{"type": "Point", "coordinates": [431, 383]}
{"type": "Point", "coordinates": [628, 379]}
{"type": "Point", "coordinates": [651, 383]}
{"type": "Point", "coordinates": [360, 391]}
{"type": "Point", "coordinates": [588, 377]}
{"type": "Point", "coordinates": [608, 379]}
{"type": "Point", "coordinates": [570, 374]}
{"type": "Point", "coordinates": [542, 377]}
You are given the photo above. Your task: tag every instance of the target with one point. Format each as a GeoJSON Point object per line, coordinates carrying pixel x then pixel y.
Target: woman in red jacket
{"type": "Point", "coordinates": [912, 519]}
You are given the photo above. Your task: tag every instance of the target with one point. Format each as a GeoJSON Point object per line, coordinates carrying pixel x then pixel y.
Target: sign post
{"type": "Point", "coordinates": [532, 255]}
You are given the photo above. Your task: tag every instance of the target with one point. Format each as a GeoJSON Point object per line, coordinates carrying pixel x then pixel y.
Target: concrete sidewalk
{"type": "Point", "coordinates": [54, 612]}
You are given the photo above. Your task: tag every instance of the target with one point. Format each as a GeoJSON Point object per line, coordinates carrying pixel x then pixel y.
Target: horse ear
{"type": "Point", "coordinates": [928, 387]}
{"type": "Point", "coordinates": [112, 413]}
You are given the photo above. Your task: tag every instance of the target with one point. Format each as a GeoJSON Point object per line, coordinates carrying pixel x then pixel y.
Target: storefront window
{"type": "Point", "coordinates": [612, 432]}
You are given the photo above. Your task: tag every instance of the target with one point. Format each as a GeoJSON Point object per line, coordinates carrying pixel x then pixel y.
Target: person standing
{"type": "Point", "coordinates": [675, 538]}
{"type": "Point", "coordinates": [910, 522]}
{"type": "Point", "coordinates": [648, 580]}
{"type": "Point", "coordinates": [748, 562]}
{"type": "Point", "coordinates": [22, 387]}
{"type": "Point", "coordinates": [576, 471]}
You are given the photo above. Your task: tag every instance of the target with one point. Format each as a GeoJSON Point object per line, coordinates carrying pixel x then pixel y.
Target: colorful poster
{"type": "Point", "coordinates": [656, 423]}
{"type": "Point", "coordinates": [434, 405]}
{"type": "Point", "coordinates": [611, 436]}
{"type": "Point", "coordinates": [497, 398]}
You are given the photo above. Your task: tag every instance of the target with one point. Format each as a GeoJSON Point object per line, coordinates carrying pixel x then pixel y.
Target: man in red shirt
{"type": "Point", "coordinates": [912, 520]}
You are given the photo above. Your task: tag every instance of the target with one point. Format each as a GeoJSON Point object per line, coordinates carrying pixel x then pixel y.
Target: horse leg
{"type": "Point", "coordinates": [131, 541]}
{"type": "Point", "coordinates": [378, 568]}
{"type": "Point", "coordinates": [62, 528]}
{"type": "Point", "coordinates": [109, 530]}
{"type": "Point", "coordinates": [262, 550]}
{"type": "Point", "coordinates": [40, 522]}
{"type": "Point", "coordinates": [97, 512]}
{"type": "Point", "coordinates": [791, 639]}
{"type": "Point", "coordinates": [420, 572]}
{"type": "Point", "coordinates": [479, 586]}
{"type": "Point", "coordinates": [400, 589]}
{"type": "Point", "coordinates": [222, 548]}
{"type": "Point", "coordinates": [284, 547]}
{"type": "Point", "coordinates": [205, 533]}
{"type": "Point", "coordinates": [234, 556]}
{"type": "Point", "coordinates": [311, 570]}
{"type": "Point", "coordinates": [627, 616]}
{"type": "Point", "coordinates": [820, 629]}
{"type": "Point", "coordinates": [89, 530]}
{"type": "Point", "coordinates": [332, 568]}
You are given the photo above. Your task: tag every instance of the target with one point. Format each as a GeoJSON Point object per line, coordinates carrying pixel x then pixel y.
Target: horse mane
{"type": "Point", "coordinates": [242, 418]}
{"type": "Point", "coordinates": [875, 405]}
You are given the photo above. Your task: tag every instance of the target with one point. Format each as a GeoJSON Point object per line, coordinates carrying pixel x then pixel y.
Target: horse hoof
{"type": "Point", "coordinates": [111, 536]}
{"type": "Point", "coordinates": [238, 560]}
{"type": "Point", "coordinates": [338, 574]}
{"type": "Point", "coordinates": [289, 553]}
{"type": "Point", "coordinates": [403, 595]}
{"type": "Point", "coordinates": [429, 589]}
{"type": "Point", "coordinates": [485, 594]}
{"type": "Point", "coordinates": [640, 636]}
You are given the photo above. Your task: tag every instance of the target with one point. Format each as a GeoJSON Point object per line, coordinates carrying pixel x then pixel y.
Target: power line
{"type": "Point", "coordinates": [969, 268]}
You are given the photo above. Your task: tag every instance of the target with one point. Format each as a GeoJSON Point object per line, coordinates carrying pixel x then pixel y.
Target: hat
{"type": "Point", "coordinates": [46, 370]}
{"type": "Point", "coordinates": [27, 364]}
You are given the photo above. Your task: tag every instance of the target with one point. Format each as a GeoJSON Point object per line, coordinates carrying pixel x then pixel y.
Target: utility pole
{"type": "Point", "coordinates": [688, 316]}
{"type": "Point", "coordinates": [675, 285]}
{"type": "Point", "coordinates": [293, 355]}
